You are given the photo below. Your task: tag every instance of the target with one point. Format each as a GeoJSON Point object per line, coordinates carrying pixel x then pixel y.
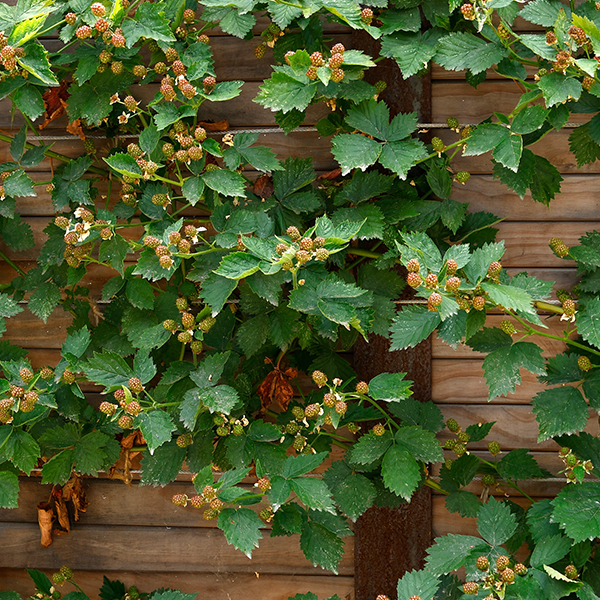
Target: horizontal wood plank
{"type": "Point", "coordinates": [217, 586]}
{"type": "Point", "coordinates": [550, 347]}
{"type": "Point", "coordinates": [166, 549]}
{"type": "Point", "coordinates": [554, 147]}
{"type": "Point", "coordinates": [473, 105]}
{"type": "Point", "coordinates": [515, 426]}
{"type": "Point", "coordinates": [579, 200]}
{"type": "Point", "coordinates": [463, 381]}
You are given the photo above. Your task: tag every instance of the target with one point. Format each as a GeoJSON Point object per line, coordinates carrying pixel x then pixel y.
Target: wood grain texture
{"type": "Point", "coordinates": [165, 549]}
{"type": "Point", "coordinates": [463, 381]}
{"type": "Point", "coordinates": [554, 147]}
{"type": "Point", "coordinates": [515, 426]}
{"type": "Point", "coordinates": [551, 347]}
{"type": "Point", "coordinates": [216, 586]}
{"type": "Point", "coordinates": [579, 200]}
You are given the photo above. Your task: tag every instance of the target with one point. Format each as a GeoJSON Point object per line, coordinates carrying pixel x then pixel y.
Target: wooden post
{"type": "Point", "coordinates": [391, 541]}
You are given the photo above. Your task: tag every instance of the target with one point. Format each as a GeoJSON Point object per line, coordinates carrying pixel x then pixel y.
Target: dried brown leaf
{"type": "Point", "coordinates": [55, 103]}
{"type": "Point", "coordinates": [263, 186]}
{"type": "Point", "coordinates": [214, 126]}
{"type": "Point", "coordinates": [45, 520]}
{"type": "Point", "coordinates": [276, 387]}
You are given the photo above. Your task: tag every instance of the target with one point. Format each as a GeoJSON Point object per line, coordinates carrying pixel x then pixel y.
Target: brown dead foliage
{"type": "Point", "coordinates": [122, 468]}
{"type": "Point", "coordinates": [276, 387]}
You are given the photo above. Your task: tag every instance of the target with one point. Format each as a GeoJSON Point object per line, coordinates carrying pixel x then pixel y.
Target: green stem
{"type": "Point", "coordinates": [387, 417]}
{"type": "Point", "coordinates": [435, 486]}
{"type": "Point", "coordinates": [52, 154]}
{"type": "Point", "coordinates": [12, 264]}
{"type": "Point", "coordinates": [41, 33]}
{"type": "Point", "coordinates": [182, 353]}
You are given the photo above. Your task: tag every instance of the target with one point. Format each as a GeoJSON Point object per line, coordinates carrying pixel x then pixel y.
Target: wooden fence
{"type": "Point", "coordinates": [135, 533]}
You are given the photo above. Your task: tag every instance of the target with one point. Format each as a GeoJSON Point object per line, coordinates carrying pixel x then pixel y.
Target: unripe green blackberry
{"type": "Point", "coordinates": [135, 385]}
{"type": "Point", "coordinates": [209, 84]}
{"type": "Point", "coordinates": [413, 265]}
{"type": "Point", "coordinates": [584, 363]}
{"type": "Point", "coordinates": [166, 262]}
{"type": "Point", "coordinates": [520, 569]}
{"type": "Point", "coordinates": [452, 284]}
{"type": "Point", "coordinates": [181, 304]}
{"type": "Point", "coordinates": [281, 249]}
{"type": "Point", "coordinates": [237, 429]}
{"type": "Point", "coordinates": [26, 374]}
{"type": "Point", "coordinates": [452, 425]}
{"type": "Point", "coordinates": [292, 428]}
{"type": "Point", "coordinates": [508, 575]}
{"type": "Point", "coordinates": [120, 396]}
{"type": "Point", "coordinates": [203, 39]}
{"type": "Point", "coordinates": [68, 377]}
{"type": "Point", "coordinates": [507, 327]}
{"type": "Point", "coordinates": [329, 400]}
{"type": "Point", "coordinates": [185, 337]}
{"type": "Point", "coordinates": [260, 50]}
{"type": "Point", "coordinates": [184, 440]}
{"type": "Point", "coordinates": [125, 422]}
{"type": "Point", "coordinates": [179, 499]}
{"type": "Point", "coordinates": [337, 75]}
{"type": "Point", "coordinates": [196, 347]}
{"type": "Point", "coordinates": [434, 301]}
{"type": "Point", "coordinates": [319, 378]}
{"type": "Point", "coordinates": [322, 254]}
{"type": "Point", "coordinates": [451, 267]}
{"type": "Point", "coordinates": [189, 16]}
{"type": "Point", "coordinates": [129, 199]}
{"type": "Point", "coordinates": [438, 145]}
{"type": "Point", "coordinates": [479, 303]}
{"type": "Point", "coordinates": [431, 281]}
{"type": "Point", "coordinates": [133, 408]}
{"type": "Point", "coordinates": [106, 233]}
{"type": "Point", "coordinates": [568, 307]}
{"type": "Point", "coordinates": [209, 514]}
{"type": "Point", "coordinates": [58, 579]}
{"type": "Point", "coordinates": [298, 412]}
{"type": "Point", "coordinates": [107, 408]}
{"type": "Point", "coordinates": [366, 15]}
{"type": "Point", "coordinates": [61, 222]}
{"type": "Point", "coordinates": [216, 504]}
{"type": "Point", "coordinates": [561, 250]}
{"type": "Point", "coordinates": [140, 71]}
{"type": "Point", "coordinates": [494, 269]}
{"type": "Point", "coordinates": [116, 67]}
{"type": "Point", "coordinates": [483, 563]}
{"type": "Point", "coordinates": [265, 514]}
{"type": "Point", "coordinates": [341, 407]}
{"type": "Point", "coordinates": [188, 320]}
{"type": "Point", "coordinates": [414, 280]}
{"type": "Point", "coordinates": [463, 437]}
{"type": "Point", "coordinates": [206, 323]}
{"type": "Point", "coordinates": [452, 123]}
{"type": "Point", "coordinates": [353, 427]}
{"type": "Point", "coordinates": [263, 484]}
{"type": "Point", "coordinates": [293, 233]}
{"type": "Point", "coordinates": [299, 443]}
{"type": "Point", "coordinates": [319, 242]}
{"type": "Point", "coordinates": [312, 74]}
{"type": "Point", "coordinates": [184, 247]}
{"type": "Point", "coordinates": [494, 448]}
{"type": "Point", "coordinates": [151, 242]}
{"type": "Point", "coordinates": [378, 429]}
{"type": "Point", "coordinates": [571, 460]}
{"type": "Point", "coordinates": [83, 32]}
{"type": "Point", "coordinates": [222, 431]}
{"type": "Point", "coordinates": [171, 54]}
{"type": "Point", "coordinates": [450, 443]}
{"type": "Point", "coordinates": [488, 480]}
{"type": "Point", "coordinates": [134, 150]}
{"type": "Point", "coordinates": [459, 450]}
{"type": "Point", "coordinates": [462, 177]}
{"type": "Point", "coordinates": [306, 244]}
{"type": "Point", "coordinates": [362, 387]}
{"type": "Point", "coordinates": [502, 563]}
{"type": "Point", "coordinates": [46, 373]}
{"type": "Point", "coordinates": [312, 411]}
{"type": "Point", "coordinates": [471, 588]}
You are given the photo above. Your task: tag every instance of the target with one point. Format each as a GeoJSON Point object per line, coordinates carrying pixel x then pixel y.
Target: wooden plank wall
{"type": "Point", "coordinates": [135, 533]}
{"type": "Point", "coordinates": [458, 379]}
